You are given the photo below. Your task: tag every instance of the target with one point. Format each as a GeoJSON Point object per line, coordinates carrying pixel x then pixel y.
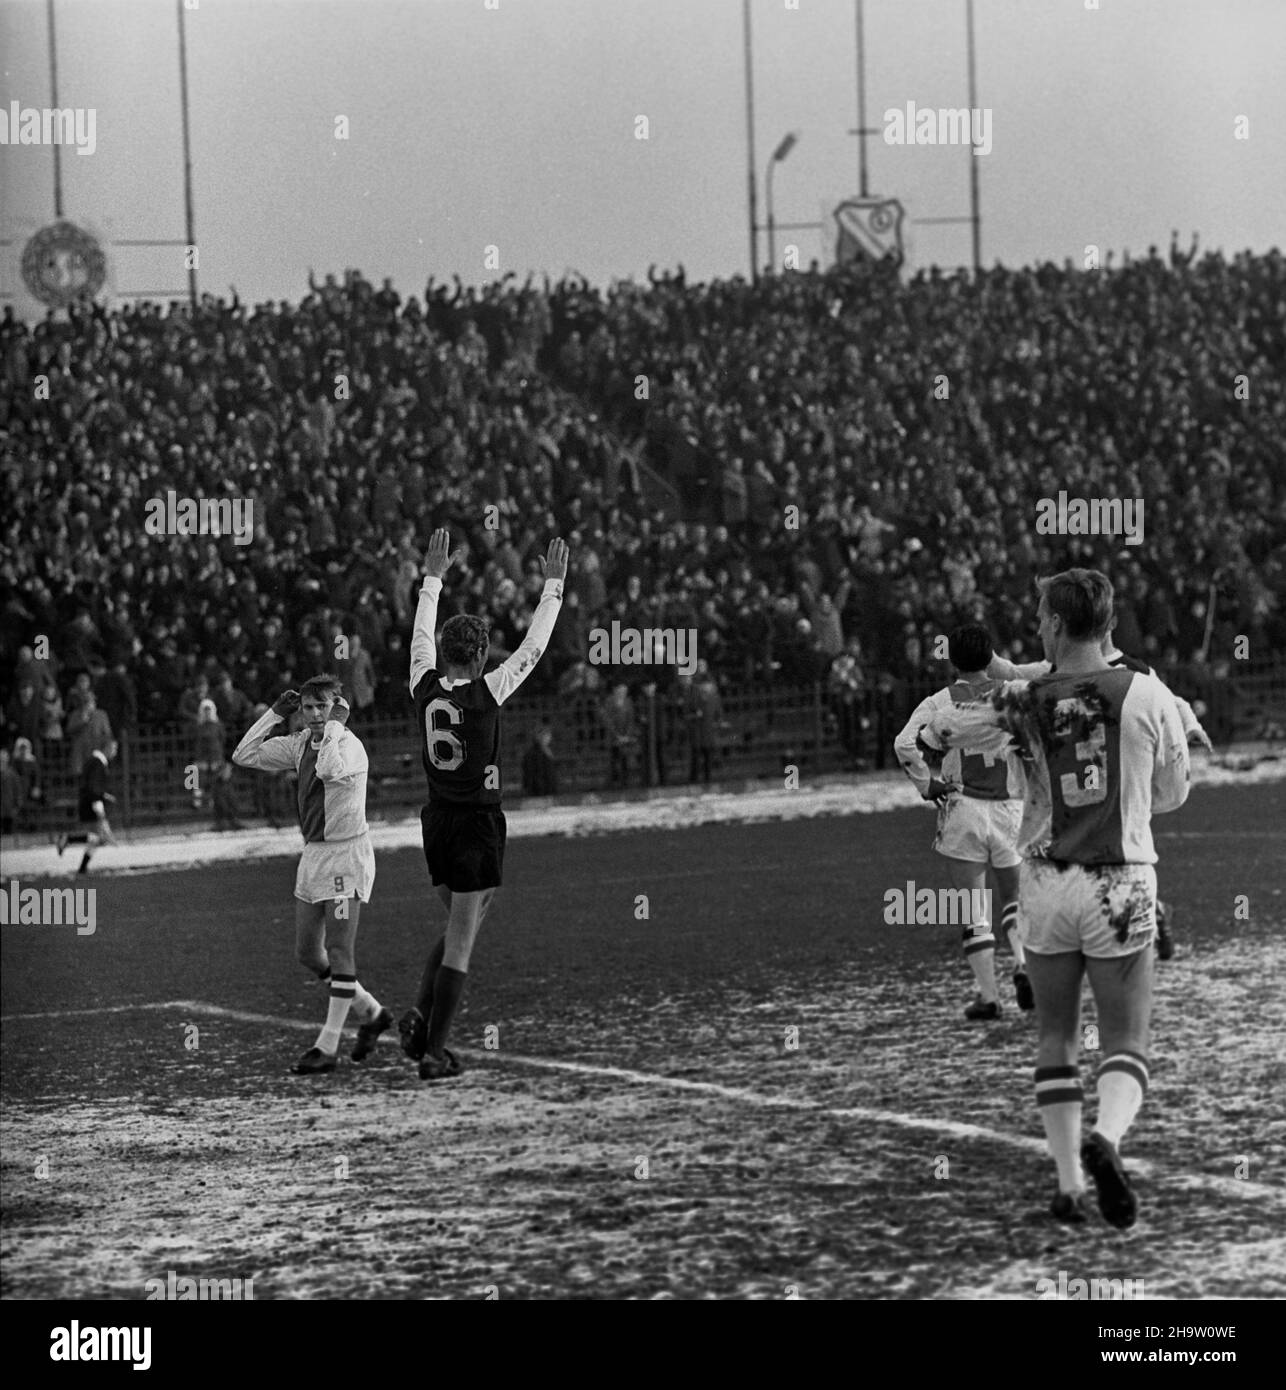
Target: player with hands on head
{"type": "Point", "coordinates": [458, 715]}
{"type": "Point", "coordinates": [337, 867]}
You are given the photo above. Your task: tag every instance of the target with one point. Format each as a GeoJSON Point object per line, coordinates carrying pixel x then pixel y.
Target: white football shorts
{"type": "Point", "coordinates": [982, 832]}
{"type": "Point", "coordinates": [1100, 910]}
{"type": "Point", "coordinates": [330, 869]}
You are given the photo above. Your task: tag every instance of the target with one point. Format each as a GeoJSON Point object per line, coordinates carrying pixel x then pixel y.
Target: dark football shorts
{"type": "Point", "coordinates": [85, 808]}
{"type": "Point", "coordinates": [464, 846]}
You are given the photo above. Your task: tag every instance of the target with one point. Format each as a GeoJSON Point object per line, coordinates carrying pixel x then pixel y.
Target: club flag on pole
{"type": "Point", "coordinates": [869, 228]}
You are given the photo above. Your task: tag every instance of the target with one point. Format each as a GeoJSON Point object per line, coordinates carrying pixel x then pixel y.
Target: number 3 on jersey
{"type": "Point", "coordinates": [446, 749]}
{"type": "Point", "coordinates": [1091, 750]}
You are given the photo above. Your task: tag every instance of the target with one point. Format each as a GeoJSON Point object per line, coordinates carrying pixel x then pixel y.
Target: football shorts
{"type": "Point", "coordinates": [982, 832]}
{"type": "Point", "coordinates": [1100, 910]}
{"type": "Point", "coordinates": [330, 869]}
{"type": "Point", "coordinates": [464, 846]}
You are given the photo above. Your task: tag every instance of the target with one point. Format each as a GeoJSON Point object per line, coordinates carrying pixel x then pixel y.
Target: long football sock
{"type": "Point", "coordinates": [342, 988]}
{"type": "Point", "coordinates": [1009, 926]}
{"type": "Point", "coordinates": [365, 1004]}
{"type": "Point", "coordinates": [448, 990]}
{"type": "Point", "coordinates": [1059, 1097]}
{"type": "Point", "coordinates": [1122, 1084]}
{"type": "Point", "coordinates": [424, 1000]}
{"type": "Point", "coordinates": [980, 952]}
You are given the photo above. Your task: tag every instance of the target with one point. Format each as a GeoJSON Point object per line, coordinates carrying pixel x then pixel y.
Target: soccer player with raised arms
{"type": "Point", "coordinates": [458, 714]}
{"type": "Point", "coordinates": [1106, 749]}
{"type": "Point", "coordinates": [337, 867]}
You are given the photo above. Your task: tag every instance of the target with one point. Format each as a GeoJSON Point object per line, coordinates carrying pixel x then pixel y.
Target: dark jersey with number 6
{"type": "Point", "coordinates": [459, 740]}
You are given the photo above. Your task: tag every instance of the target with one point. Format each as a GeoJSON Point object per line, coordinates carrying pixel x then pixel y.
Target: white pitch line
{"type": "Point", "coordinates": [1225, 1187]}
{"type": "Point", "coordinates": [84, 1013]}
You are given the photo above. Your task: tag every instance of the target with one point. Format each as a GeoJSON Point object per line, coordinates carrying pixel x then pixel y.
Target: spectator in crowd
{"type": "Point", "coordinates": [357, 673]}
{"type": "Point", "coordinates": [849, 696]}
{"type": "Point", "coordinates": [703, 714]}
{"type": "Point", "coordinates": [617, 717]}
{"type": "Point", "coordinates": [207, 749]}
{"type": "Point", "coordinates": [11, 794]}
{"type": "Point", "coordinates": [25, 713]}
{"type": "Point", "coordinates": [539, 769]}
{"type": "Point", "coordinates": [27, 767]}
{"type": "Point", "coordinates": [88, 729]}
{"type": "Point", "coordinates": [118, 698]}
{"type": "Point", "coordinates": [226, 811]}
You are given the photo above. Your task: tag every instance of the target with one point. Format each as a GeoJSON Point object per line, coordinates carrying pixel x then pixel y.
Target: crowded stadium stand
{"type": "Point", "coordinates": [774, 466]}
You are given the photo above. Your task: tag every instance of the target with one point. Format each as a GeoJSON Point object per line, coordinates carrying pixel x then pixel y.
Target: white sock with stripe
{"type": "Point", "coordinates": [365, 1004]}
{"type": "Point", "coordinates": [980, 952]}
{"type": "Point", "coordinates": [342, 988]}
{"type": "Point", "coordinates": [1122, 1084]}
{"type": "Point", "coordinates": [1009, 926]}
{"type": "Point", "coordinates": [1059, 1098]}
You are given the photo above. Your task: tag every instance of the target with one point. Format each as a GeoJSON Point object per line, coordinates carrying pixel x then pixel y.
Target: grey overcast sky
{"type": "Point", "coordinates": [516, 127]}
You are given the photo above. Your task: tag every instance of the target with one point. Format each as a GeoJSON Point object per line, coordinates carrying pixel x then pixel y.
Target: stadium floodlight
{"type": "Point", "coordinates": [784, 147]}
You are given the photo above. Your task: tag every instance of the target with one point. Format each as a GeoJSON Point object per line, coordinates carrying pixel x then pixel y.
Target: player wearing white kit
{"type": "Point", "coordinates": [1105, 749]}
{"type": "Point", "coordinates": [979, 800]}
{"type": "Point", "coordinates": [1195, 734]}
{"type": "Point", "coordinates": [337, 867]}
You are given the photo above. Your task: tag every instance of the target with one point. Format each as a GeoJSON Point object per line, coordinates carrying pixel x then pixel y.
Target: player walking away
{"type": "Point", "coordinates": [337, 867]}
{"type": "Point", "coordinates": [979, 800]}
{"type": "Point", "coordinates": [1107, 749]}
{"type": "Point", "coordinates": [1195, 734]}
{"type": "Point", "coordinates": [458, 712]}
{"type": "Point", "coordinates": [91, 806]}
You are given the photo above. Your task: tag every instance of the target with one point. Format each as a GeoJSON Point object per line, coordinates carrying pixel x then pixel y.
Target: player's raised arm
{"type": "Point", "coordinates": [1000, 668]}
{"type": "Point", "coordinates": [269, 754]}
{"type": "Point", "coordinates": [508, 676]}
{"type": "Point", "coordinates": [437, 561]}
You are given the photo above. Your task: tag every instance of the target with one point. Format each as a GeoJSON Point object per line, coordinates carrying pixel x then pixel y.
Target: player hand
{"type": "Point", "coordinates": [554, 562]}
{"type": "Point", "coordinates": [438, 557]}
{"type": "Point", "coordinates": [940, 792]}
{"type": "Point", "coordinates": [1198, 738]}
{"type": "Point", "coordinates": [340, 711]}
{"type": "Point", "coordinates": [286, 704]}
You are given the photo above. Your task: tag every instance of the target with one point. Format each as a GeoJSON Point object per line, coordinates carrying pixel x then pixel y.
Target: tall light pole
{"type": "Point", "coordinates": [750, 145]}
{"type": "Point", "coordinates": [975, 215]}
{"type": "Point", "coordinates": [188, 220]}
{"type": "Point", "coordinates": [53, 86]}
{"type": "Point", "coordinates": [788, 143]}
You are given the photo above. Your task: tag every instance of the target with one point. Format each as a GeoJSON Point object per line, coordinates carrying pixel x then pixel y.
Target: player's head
{"type": "Point", "coordinates": [969, 648]}
{"type": "Point", "coordinates": [465, 640]}
{"type": "Point", "coordinates": [317, 696]}
{"type": "Point", "coordinates": [1075, 610]}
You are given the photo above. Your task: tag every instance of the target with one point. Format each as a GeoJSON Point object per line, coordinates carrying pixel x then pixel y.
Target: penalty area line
{"type": "Point", "coordinates": [1209, 1182]}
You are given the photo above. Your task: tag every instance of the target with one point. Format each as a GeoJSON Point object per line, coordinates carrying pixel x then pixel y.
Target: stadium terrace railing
{"type": "Point", "coordinates": [762, 731]}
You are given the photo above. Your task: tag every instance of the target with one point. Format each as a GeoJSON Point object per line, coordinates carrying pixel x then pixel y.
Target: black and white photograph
{"type": "Point", "coordinates": [643, 658]}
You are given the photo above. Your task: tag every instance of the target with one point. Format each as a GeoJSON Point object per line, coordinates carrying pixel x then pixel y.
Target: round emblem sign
{"type": "Point", "coordinates": [63, 263]}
